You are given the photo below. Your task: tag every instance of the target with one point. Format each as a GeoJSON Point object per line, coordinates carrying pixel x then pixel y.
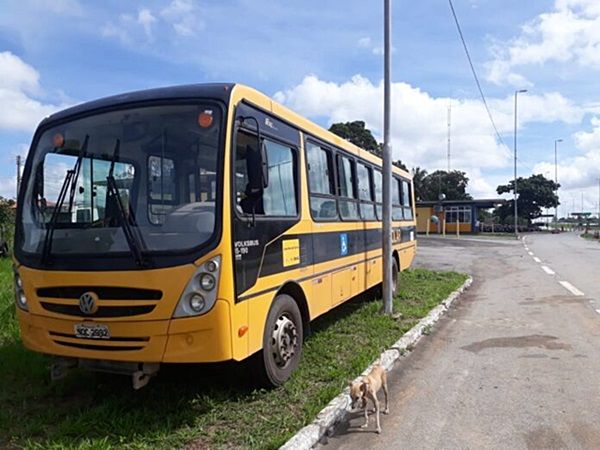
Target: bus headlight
{"type": "Point", "coordinates": [207, 282]}
{"type": "Point", "coordinates": [197, 302]}
{"type": "Point", "coordinates": [212, 265]}
{"type": "Point", "coordinates": [200, 294]}
{"type": "Point", "coordinates": [20, 298]}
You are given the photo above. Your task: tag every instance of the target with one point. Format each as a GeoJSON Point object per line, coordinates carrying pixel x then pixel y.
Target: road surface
{"type": "Point", "coordinates": [515, 365]}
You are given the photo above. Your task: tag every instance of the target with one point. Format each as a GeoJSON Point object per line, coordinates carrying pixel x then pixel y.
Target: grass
{"type": "Point", "coordinates": [209, 405]}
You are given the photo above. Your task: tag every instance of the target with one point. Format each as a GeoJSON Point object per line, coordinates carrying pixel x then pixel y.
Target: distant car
{"type": "Point", "coordinates": [555, 231]}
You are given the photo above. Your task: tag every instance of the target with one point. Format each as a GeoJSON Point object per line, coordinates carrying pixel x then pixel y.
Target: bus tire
{"type": "Point", "coordinates": [282, 343]}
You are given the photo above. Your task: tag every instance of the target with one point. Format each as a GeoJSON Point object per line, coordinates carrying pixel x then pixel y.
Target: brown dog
{"type": "Point", "coordinates": [367, 388]}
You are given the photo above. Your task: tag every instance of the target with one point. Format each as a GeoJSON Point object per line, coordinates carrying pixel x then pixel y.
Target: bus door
{"type": "Point", "coordinates": [265, 189]}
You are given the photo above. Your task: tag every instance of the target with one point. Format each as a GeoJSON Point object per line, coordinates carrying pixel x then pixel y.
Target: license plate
{"type": "Point", "coordinates": [88, 331]}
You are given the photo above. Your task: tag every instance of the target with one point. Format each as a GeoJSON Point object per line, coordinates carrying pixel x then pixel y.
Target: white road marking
{"type": "Point", "coordinates": [536, 259]}
{"type": "Point", "coordinates": [598, 311]}
{"type": "Point", "coordinates": [572, 289]}
{"type": "Point", "coordinates": [530, 253]}
{"type": "Point", "coordinates": [548, 270]}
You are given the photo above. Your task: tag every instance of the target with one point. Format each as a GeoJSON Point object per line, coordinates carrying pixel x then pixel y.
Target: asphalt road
{"type": "Point", "coordinates": [513, 365]}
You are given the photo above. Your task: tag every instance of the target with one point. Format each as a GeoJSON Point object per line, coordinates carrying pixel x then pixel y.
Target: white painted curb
{"type": "Point", "coordinates": [336, 410]}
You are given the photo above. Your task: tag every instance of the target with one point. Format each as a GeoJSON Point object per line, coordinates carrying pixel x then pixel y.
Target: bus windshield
{"type": "Point", "coordinates": [139, 180]}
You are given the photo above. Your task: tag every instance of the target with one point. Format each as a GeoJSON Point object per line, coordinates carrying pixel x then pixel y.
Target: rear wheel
{"type": "Point", "coordinates": [282, 343]}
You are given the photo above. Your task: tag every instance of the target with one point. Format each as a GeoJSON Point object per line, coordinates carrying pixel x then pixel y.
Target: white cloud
{"type": "Point", "coordinates": [19, 83]}
{"type": "Point", "coordinates": [570, 33]}
{"type": "Point", "coordinates": [365, 42]}
{"type": "Point", "coordinates": [419, 122]}
{"type": "Point", "coordinates": [180, 16]}
{"type": "Point", "coordinates": [130, 29]}
{"type": "Point", "coordinates": [578, 175]}
{"type": "Point", "coordinates": [376, 49]}
{"type": "Point", "coordinates": [146, 20]}
{"type": "Point", "coordinates": [183, 16]}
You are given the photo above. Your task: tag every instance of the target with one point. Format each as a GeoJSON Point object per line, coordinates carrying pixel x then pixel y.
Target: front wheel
{"type": "Point", "coordinates": [282, 343]}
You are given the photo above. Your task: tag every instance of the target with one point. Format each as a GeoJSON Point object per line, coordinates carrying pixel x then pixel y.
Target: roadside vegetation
{"type": "Point", "coordinates": [208, 406]}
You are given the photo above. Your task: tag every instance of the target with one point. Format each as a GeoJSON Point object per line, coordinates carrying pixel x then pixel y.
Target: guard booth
{"type": "Point", "coordinates": [452, 214]}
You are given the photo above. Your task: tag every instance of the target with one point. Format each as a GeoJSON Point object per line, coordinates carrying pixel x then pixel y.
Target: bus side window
{"type": "Point", "coordinates": [321, 182]}
{"type": "Point", "coordinates": [396, 202]}
{"type": "Point", "coordinates": [407, 200]}
{"type": "Point", "coordinates": [378, 185]}
{"type": "Point", "coordinates": [248, 198]}
{"type": "Point", "coordinates": [346, 188]}
{"type": "Point", "coordinates": [279, 197]}
{"type": "Point", "coordinates": [367, 207]}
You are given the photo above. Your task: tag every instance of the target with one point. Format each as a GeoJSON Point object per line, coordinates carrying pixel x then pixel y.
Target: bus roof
{"type": "Point", "coordinates": [312, 128]}
{"type": "Point", "coordinates": [217, 91]}
{"type": "Point", "coordinates": [222, 92]}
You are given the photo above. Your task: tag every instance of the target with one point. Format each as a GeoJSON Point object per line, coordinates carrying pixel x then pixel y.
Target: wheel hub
{"type": "Point", "coordinates": [284, 341]}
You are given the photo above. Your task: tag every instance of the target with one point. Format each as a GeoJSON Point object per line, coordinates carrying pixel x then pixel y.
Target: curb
{"type": "Point", "coordinates": [336, 411]}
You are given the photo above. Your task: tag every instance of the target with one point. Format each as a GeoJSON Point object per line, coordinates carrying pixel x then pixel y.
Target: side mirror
{"type": "Point", "coordinates": [265, 164]}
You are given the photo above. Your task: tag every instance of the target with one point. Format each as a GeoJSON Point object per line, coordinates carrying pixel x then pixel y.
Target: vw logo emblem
{"type": "Point", "coordinates": [88, 303]}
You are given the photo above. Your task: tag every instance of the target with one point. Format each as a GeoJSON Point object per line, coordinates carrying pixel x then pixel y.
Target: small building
{"type": "Point", "coordinates": [452, 214]}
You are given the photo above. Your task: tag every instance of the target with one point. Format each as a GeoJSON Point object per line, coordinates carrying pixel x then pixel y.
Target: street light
{"type": "Point", "coordinates": [521, 91]}
{"type": "Point", "coordinates": [556, 141]}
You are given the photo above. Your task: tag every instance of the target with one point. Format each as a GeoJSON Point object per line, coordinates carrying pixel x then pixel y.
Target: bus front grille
{"type": "Point", "coordinates": [103, 292]}
{"type": "Point", "coordinates": [114, 344]}
{"type": "Point", "coordinates": [103, 311]}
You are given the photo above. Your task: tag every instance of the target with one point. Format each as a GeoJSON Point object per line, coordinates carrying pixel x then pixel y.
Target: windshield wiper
{"type": "Point", "coordinates": [69, 183]}
{"type": "Point", "coordinates": [134, 240]}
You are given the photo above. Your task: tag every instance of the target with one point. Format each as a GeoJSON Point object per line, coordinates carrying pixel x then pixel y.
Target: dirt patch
{"type": "Point", "coordinates": [543, 438]}
{"type": "Point", "coordinates": [587, 435]}
{"type": "Point", "coordinates": [534, 340]}
{"type": "Point", "coordinates": [552, 300]}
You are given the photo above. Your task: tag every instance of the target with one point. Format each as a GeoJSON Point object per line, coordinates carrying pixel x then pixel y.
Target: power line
{"type": "Point", "coordinates": [462, 38]}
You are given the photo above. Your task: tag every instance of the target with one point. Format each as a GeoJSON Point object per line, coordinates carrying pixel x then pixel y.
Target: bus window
{"type": "Point", "coordinates": [161, 188]}
{"type": "Point", "coordinates": [378, 184]}
{"type": "Point", "coordinates": [89, 199]}
{"type": "Point", "coordinates": [347, 189]}
{"type": "Point", "coordinates": [406, 200]}
{"type": "Point", "coordinates": [321, 182]}
{"type": "Point", "coordinates": [367, 207]}
{"type": "Point", "coordinates": [396, 203]}
{"type": "Point", "coordinates": [279, 197]}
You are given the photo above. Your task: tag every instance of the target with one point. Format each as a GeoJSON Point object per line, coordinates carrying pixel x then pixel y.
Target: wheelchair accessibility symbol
{"type": "Point", "coordinates": [343, 244]}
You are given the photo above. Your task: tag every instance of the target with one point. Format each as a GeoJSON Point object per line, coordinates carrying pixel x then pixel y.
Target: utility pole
{"type": "Point", "coordinates": [556, 141]}
{"type": "Point", "coordinates": [18, 174]}
{"type": "Point", "coordinates": [515, 186]}
{"type": "Point", "coordinates": [598, 201]}
{"type": "Point", "coordinates": [387, 164]}
{"type": "Point", "coordinates": [449, 122]}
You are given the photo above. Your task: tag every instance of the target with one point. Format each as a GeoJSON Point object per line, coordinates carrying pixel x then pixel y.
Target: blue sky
{"type": "Point", "coordinates": [324, 60]}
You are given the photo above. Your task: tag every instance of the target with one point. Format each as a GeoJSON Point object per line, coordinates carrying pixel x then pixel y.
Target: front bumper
{"type": "Point", "coordinates": [205, 338]}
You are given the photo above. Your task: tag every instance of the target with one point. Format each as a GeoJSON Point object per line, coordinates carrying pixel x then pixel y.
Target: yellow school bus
{"type": "Point", "coordinates": [198, 223]}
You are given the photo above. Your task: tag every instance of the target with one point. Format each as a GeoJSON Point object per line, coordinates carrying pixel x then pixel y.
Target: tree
{"type": "Point", "coordinates": [356, 133]}
{"type": "Point", "coordinates": [534, 193]}
{"type": "Point", "coordinates": [452, 184]}
{"type": "Point", "coordinates": [419, 176]}
{"type": "Point", "coordinates": [400, 164]}
{"type": "Point", "coordinates": [7, 222]}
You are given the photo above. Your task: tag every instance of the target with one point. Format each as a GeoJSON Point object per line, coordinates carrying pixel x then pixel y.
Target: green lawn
{"type": "Point", "coordinates": [212, 405]}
